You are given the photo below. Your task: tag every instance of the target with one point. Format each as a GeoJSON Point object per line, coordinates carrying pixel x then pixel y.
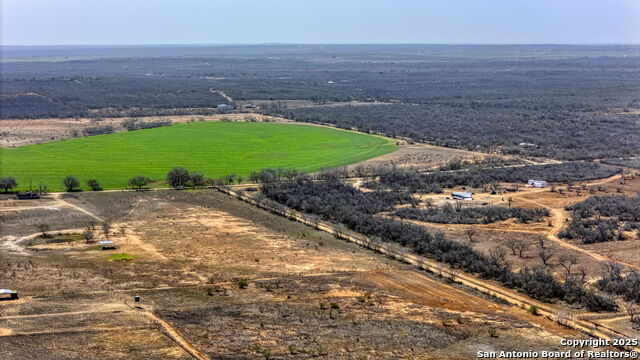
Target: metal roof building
{"type": "Point", "coordinates": [462, 195]}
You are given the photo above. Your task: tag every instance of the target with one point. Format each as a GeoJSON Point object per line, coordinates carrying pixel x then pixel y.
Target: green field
{"type": "Point", "coordinates": [214, 148]}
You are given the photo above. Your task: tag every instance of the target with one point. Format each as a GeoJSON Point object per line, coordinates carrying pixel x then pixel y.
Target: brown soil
{"type": "Point", "coordinates": [308, 294]}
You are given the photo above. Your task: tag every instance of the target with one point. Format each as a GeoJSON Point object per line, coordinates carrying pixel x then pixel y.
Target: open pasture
{"type": "Point", "coordinates": [213, 148]}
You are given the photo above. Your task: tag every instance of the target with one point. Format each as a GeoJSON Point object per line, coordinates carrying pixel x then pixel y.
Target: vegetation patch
{"type": "Point", "coordinates": [54, 239]}
{"type": "Point", "coordinates": [435, 182]}
{"type": "Point", "coordinates": [122, 257]}
{"type": "Point", "coordinates": [603, 218]}
{"type": "Point", "coordinates": [213, 148]}
{"type": "Point", "coordinates": [449, 214]}
{"type": "Point", "coordinates": [355, 210]}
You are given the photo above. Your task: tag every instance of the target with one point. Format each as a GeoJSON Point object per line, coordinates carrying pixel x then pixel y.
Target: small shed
{"type": "Point", "coordinates": [107, 245]}
{"type": "Point", "coordinates": [225, 107]}
{"type": "Point", "coordinates": [462, 196]}
{"type": "Point", "coordinates": [6, 294]}
{"type": "Point", "coordinates": [537, 183]}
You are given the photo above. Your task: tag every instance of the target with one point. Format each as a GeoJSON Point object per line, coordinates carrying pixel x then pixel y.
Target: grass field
{"type": "Point", "coordinates": [214, 148]}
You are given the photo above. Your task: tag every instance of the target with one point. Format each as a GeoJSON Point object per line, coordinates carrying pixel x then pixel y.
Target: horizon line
{"type": "Point", "coordinates": [327, 43]}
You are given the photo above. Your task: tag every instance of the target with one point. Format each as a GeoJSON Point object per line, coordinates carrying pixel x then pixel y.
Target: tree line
{"type": "Point", "coordinates": [460, 214]}
{"type": "Point", "coordinates": [399, 178]}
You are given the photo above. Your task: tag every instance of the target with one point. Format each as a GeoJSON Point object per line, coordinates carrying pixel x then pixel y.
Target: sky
{"type": "Point", "coordinates": [135, 22]}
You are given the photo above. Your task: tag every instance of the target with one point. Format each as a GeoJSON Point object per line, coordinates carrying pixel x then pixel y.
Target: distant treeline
{"type": "Point", "coordinates": [516, 126]}
{"type": "Point", "coordinates": [135, 124]}
{"type": "Point", "coordinates": [450, 214]}
{"type": "Point", "coordinates": [630, 163]}
{"type": "Point", "coordinates": [79, 96]}
{"type": "Point", "coordinates": [569, 108]}
{"type": "Point", "coordinates": [477, 177]}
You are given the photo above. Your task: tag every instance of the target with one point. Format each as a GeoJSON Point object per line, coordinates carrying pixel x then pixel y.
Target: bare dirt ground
{"type": "Point", "coordinates": [307, 294]}
{"type": "Point", "coordinates": [421, 157]}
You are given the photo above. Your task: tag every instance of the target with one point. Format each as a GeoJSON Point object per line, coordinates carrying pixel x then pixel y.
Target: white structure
{"type": "Point", "coordinates": [537, 183]}
{"type": "Point", "coordinates": [462, 196]}
{"type": "Point", "coordinates": [224, 107]}
{"type": "Point", "coordinates": [8, 294]}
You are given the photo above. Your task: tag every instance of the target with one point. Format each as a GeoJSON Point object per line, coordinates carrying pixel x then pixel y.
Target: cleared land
{"type": "Point", "coordinates": [214, 148]}
{"type": "Point", "coordinates": [308, 294]}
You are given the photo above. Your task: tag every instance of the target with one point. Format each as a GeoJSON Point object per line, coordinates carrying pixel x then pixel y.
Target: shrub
{"type": "Point", "coordinates": [178, 177]}
{"type": "Point", "coordinates": [94, 185]}
{"type": "Point", "coordinates": [197, 179]}
{"type": "Point", "coordinates": [7, 184]}
{"type": "Point", "coordinates": [243, 284]}
{"type": "Point", "coordinates": [139, 182]}
{"type": "Point", "coordinates": [70, 183]}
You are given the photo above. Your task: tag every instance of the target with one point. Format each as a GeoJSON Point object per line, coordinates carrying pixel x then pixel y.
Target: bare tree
{"type": "Point", "coordinates": [470, 232]}
{"type": "Point", "coordinates": [612, 271]}
{"type": "Point", "coordinates": [513, 245]}
{"type": "Point", "coordinates": [106, 228]}
{"type": "Point", "coordinates": [542, 242]}
{"type": "Point", "coordinates": [545, 255]}
{"type": "Point", "coordinates": [496, 257]}
{"type": "Point", "coordinates": [88, 235]}
{"type": "Point", "coordinates": [43, 228]}
{"type": "Point", "coordinates": [518, 247]}
{"type": "Point", "coordinates": [567, 261]}
{"type": "Point", "coordinates": [633, 309]}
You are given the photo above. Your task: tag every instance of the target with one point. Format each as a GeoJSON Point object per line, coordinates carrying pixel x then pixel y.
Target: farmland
{"type": "Point", "coordinates": [213, 148]}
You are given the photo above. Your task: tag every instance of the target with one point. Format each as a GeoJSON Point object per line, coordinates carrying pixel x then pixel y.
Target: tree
{"type": "Point", "coordinates": [567, 261]}
{"type": "Point", "coordinates": [8, 184]}
{"type": "Point", "coordinates": [106, 228]}
{"type": "Point", "coordinates": [70, 183]}
{"type": "Point", "coordinates": [178, 177]}
{"type": "Point", "coordinates": [94, 185]}
{"type": "Point", "coordinates": [139, 181]}
{"type": "Point", "coordinates": [197, 179]}
{"type": "Point", "coordinates": [546, 254]}
{"type": "Point", "coordinates": [518, 247]}
{"type": "Point", "coordinates": [633, 310]}
{"type": "Point", "coordinates": [470, 232]}
{"type": "Point", "coordinates": [43, 228]}
{"type": "Point", "coordinates": [88, 235]}
{"type": "Point", "coordinates": [496, 257]}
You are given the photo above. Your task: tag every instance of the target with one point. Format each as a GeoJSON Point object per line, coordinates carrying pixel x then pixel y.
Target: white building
{"type": "Point", "coordinates": [537, 183]}
{"type": "Point", "coordinates": [224, 107]}
{"type": "Point", "coordinates": [462, 196]}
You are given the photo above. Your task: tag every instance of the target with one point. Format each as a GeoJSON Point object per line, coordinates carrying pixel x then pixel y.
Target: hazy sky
{"type": "Point", "coordinates": [50, 22]}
